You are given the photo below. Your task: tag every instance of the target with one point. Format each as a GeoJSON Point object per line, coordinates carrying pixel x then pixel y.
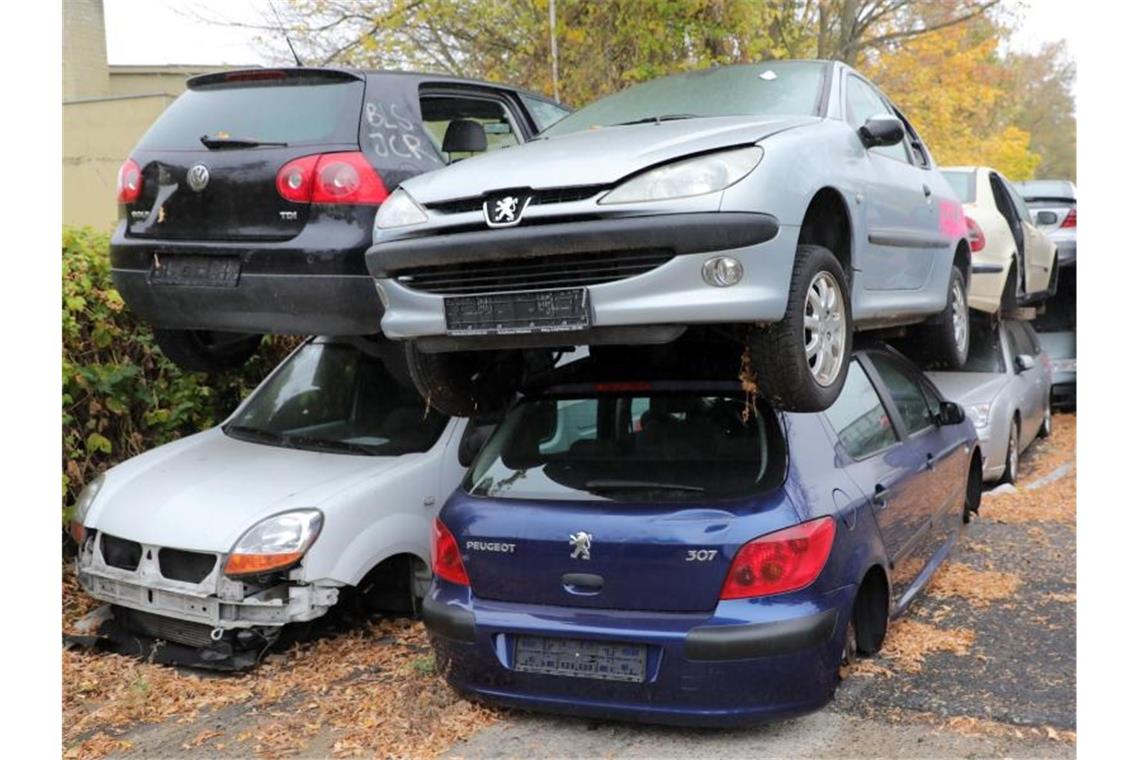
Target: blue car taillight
{"type": "Point", "coordinates": [446, 561]}
{"type": "Point", "coordinates": [787, 560]}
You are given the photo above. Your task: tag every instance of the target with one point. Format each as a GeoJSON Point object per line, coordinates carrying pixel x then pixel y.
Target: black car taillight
{"type": "Point", "coordinates": [343, 178]}
{"type": "Point", "coordinates": [129, 181]}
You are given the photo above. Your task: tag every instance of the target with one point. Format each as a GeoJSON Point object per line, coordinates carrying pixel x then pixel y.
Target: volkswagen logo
{"type": "Point", "coordinates": [198, 177]}
{"type": "Point", "coordinates": [504, 210]}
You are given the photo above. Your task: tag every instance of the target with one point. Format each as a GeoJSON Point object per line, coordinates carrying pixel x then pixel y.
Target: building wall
{"type": "Point", "coordinates": [84, 49]}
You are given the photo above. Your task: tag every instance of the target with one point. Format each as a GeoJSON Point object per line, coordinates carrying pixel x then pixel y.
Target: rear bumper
{"type": "Point", "coordinates": [1066, 252]}
{"type": "Point", "coordinates": [1064, 394]}
{"type": "Point", "coordinates": [746, 662]}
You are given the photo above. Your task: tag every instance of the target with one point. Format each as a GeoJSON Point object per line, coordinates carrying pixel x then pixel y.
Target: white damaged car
{"type": "Point", "coordinates": [320, 488]}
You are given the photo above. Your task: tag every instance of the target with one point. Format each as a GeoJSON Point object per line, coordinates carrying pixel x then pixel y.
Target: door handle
{"type": "Point", "coordinates": [926, 190]}
{"type": "Point", "coordinates": [880, 497]}
{"type": "Point", "coordinates": [929, 461]}
{"type": "Point", "coordinates": [582, 583]}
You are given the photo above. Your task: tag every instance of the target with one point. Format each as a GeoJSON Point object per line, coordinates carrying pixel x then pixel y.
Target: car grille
{"type": "Point", "coordinates": [169, 629]}
{"type": "Point", "coordinates": [181, 565]}
{"type": "Point", "coordinates": [571, 270]}
{"type": "Point", "coordinates": [119, 552]}
{"type": "Point", "coordinates": [537, 198]}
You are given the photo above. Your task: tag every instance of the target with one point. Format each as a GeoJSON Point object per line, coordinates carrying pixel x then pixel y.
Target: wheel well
{"type": "Point", "coordinates": [962, 261]}
{"type": "Point", "coordinates": [389, 586]}
{"type": "Point", "coordinates": [872, 608]}
{"type": "Point", "coordinates": [827, 223]}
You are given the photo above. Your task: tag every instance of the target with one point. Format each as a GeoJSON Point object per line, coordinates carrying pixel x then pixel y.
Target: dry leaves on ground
{"type": "Point", "coordinates": [1055, 503]}
{"type": "Point", "coordinates": [1050, 453]}
{"type": "Point", "coordinates": [909, 642]}
{"type": "Point", "coordinates": [978, 587]}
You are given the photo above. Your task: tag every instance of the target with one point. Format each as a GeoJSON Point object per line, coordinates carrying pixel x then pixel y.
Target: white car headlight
{"type": "Point", "coordinates": [979, 414]}
{"type": "Point", "coordinates": [82, 505]}
{"type": "Point", "coordinates": [692, 176]}
{"type": "Point", "coordinates": [275, 543]}
{"type": "Point", "coordinates": [399, 210]}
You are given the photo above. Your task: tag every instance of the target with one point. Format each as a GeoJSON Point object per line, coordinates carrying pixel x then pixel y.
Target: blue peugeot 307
{"type": "Point", "coordinates": [672, 550]}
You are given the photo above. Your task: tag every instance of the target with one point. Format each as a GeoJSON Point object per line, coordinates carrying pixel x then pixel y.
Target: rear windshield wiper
{"type": "Point", "coordinates": [639, 485]}
{"type": "Point", "coordinates": [656, 119]}
{"type": "Point", "coordinates": [218, 143]}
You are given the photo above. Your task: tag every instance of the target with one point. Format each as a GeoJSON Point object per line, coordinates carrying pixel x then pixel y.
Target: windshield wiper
{"type": "Point", "coordinates": [639, 485]}
{"type": "Point", "coordinates": [244, 431]}
{"type": "Point", "coordinates": [326, 444]}
{"type": "Point", "coordinates": [656, 119]}
{"type": "Point", "coordinates": [218, 143]}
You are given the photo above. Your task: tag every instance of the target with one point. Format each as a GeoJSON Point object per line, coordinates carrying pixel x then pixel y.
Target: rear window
{"type": "Point", "coordinates": [962, 183]}
{"type": "Point", "coordinates": [1053, 190]}
{"type": "Point", "coordinates": [294, 111]}
{"type": "Point", "coordinates": [639, 447]}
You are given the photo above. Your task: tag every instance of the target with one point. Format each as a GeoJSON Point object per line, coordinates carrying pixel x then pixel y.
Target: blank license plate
{"type": "Point", "coordinates": [605, 660]}
{"type": "Point", "coordinates": [202, 271]}
{"type": "Point", "coordinates": [527, 312]}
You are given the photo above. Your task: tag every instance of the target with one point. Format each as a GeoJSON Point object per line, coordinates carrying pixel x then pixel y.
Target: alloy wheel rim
{"type": "Point", "coordinates": [825, 328]}
{"type": "Point", "coordinates": [960, 319]}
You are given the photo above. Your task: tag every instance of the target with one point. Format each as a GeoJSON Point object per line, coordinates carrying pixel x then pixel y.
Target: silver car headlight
{"type": "Point", "coordinates": [709, 173]}
{"type": "Point", "coordinates": [979, 414]}
{"type": "Point", "coordinates": [275, 543]}
{"type": "Point", "coordinates": [399, 210]}
{"type": "Point", "coordinates": [82, 506]}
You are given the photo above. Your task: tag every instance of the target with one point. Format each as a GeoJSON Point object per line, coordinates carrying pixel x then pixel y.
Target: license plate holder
{"type": "Point", "coordinates": [195, 270]}
{"type": "Point", "coordinates": [581, 658]}
{"type": "Point", "coordinates": [529, 311]}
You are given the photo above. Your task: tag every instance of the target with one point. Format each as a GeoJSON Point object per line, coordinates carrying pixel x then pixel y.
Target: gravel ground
{"type": "Point", "coordinates": [983, 666]}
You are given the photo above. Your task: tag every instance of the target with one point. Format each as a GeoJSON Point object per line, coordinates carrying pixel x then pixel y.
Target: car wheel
{"type": "Point", "coordinates": [946, 337]}
{"type": "Point", "coordinates": [207, 350]}
{"type": "Point", "coordinates": [801, 361]}
{"type": "Point", "coordinates": [466, 383]}
{"type": "Point", "coordinates": [1046, 423]}
{"type": "Point", "coordinates": [1012, 454]}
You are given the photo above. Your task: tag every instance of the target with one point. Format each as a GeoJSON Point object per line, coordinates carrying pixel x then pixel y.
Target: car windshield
{"type": "Point", "coordinates": [1047, 190]}
{"type": "Point", "coordinates": [339, 397]}
{"type": "Point", "coordinates": [638, 446]}
{"type": "Point", "coordinates": [784, 88]}
{"type": "Point", "coordinates": [985, 350]}
{"type": "Point", "coordinates": [962, 183]}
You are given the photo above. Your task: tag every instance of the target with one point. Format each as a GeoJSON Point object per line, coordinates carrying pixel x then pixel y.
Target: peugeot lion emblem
{"type": "Point", "coordinates": [581, 543]}
{"type": "Point", "coordinates": [504, 210]}
{"type": "Point", "coordinates": [198, 177]}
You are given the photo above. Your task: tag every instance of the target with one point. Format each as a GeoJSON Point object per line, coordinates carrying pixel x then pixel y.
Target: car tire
{"type": "Point", "coordinates": [206, 350]}
{"type": "Point", "coordinates": [466, 383]}
{"type": "Point", "coordinates": [945, 339]}
{"type": "Point", "coordinates": [785, 374]}
{"type": "Point", "coordinates": [1046, 428]}
{"type": "Point", "coordinates": [1013, 453]}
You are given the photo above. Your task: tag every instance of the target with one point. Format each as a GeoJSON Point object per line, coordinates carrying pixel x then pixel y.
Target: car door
{"type": "Point", "coordinates": [1003, 200]}
{"type": "Point", "coordinates": [1032, 383]}
{"type": "Point", "coordinates": [902, 226]}
{"type": "Point", "coordinates": [1039, 249]}
{"type": "Point", "coordinates": [870, 446]}
{"type": "Point", "coordinates": [929, 455]}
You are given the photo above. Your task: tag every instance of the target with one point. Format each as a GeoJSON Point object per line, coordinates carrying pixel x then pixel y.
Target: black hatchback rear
{"type": "Point", "coordinates": [248, 205]}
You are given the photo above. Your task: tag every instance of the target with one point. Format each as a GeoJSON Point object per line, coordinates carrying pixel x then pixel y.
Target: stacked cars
{"type": "Point", "coordinates": [698, 522]}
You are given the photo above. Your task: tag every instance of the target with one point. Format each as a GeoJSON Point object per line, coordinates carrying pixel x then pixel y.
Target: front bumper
{"type": "Point", "coordinates": [673, 293]}
{"type": "Point", "coordinates": [215, 600]}
{"type": "Point", "coordinates": [749, 661]}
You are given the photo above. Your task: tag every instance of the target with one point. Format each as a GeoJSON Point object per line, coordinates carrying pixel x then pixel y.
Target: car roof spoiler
{"type": "Point", "coordinates": [271, 77]}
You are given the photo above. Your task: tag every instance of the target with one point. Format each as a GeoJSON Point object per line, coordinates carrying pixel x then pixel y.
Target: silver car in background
{"type": "Point", "coordinates": [1054, 206]}
{"type": "Point", "coordinates": [1004, 389]}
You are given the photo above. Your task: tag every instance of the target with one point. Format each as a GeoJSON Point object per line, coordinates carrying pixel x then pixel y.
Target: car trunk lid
{"type": "Point", "coordinates": [209, 164]}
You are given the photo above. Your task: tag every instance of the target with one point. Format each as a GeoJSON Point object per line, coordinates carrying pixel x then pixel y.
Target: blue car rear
{"type": "Point", "coordinates": [675, 552]}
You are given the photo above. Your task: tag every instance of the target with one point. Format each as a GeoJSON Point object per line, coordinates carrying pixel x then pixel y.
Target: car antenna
{"type": "Point", "coordinates": [284, 33]}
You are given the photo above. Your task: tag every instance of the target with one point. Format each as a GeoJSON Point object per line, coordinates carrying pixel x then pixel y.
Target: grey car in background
{"type": "Point", "coordinates": [1004, 388]}
{"type": "Point", "coordinates": [1056, 326]}
{"type": "Point", "coordinates": [780, 205]}
{"type": "Point", "coordinates": [1054, 206]}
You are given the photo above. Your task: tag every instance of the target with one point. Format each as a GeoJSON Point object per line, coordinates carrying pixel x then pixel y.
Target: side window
{"type": "Point", "coordinates": [906, 391]}
{"type": "Point", "coordinates": [460, 127]}
{"type": "Point", "coordinates": [863, 102]}
{"type": "Point", "coordinates": [917, 148]}
{"type": "Point", "coordinates": [544, 112]}
{"type": "Point", "coordinates": [859, 418]}
{"type": "Point", "coordinates": [1020, 340]}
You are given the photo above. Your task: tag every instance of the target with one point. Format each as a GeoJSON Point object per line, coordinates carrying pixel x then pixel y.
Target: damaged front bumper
{"type": "Point", "coordinates": [190, 586]}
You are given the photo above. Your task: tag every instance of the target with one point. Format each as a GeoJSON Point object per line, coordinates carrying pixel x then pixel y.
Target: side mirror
{"type": "Point", "coordinates": [951, 413]}
{"type": "Point", "coordinates": [473, 439]}
{"type": "Point", "coordinates": [881, 130]}
{"type": "Point", "coordinates": [1023, 362]}
{"type": "Point", "coordinates": [1046, 217]}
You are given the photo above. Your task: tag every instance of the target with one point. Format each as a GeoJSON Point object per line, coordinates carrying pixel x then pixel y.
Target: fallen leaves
{"type": "Point", "coordinates": [978, 587]}
{"type": "Point", "coordinates": [909, 642]}
{"type": "Point", "coordinates": [1056, 503]}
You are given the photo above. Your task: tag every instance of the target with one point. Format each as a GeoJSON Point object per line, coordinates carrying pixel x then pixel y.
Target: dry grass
{"type": "Point", "coordinates": [909, 642]}
{"type": "Point", "coordinates": [978, 587]}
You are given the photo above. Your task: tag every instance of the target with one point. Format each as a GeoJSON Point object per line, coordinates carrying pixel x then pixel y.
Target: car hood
{"type": "Point", "coordinates": [968, 387]}
{"type": "Point", "coordinates": [593, 157]}
{"type": "Point", "coordinates": [204, 491]}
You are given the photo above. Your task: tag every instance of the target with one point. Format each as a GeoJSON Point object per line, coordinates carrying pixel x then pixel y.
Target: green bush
{"type": "Point", "coordinates": [121, 396]}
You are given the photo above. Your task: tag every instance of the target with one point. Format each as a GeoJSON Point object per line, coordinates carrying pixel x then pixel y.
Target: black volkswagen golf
{"type": "Point", "coordinates": [248, 205]}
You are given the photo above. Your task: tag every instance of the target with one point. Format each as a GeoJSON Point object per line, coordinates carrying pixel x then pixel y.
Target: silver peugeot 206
{"type": "Point", "coordinates": [780, 205]}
